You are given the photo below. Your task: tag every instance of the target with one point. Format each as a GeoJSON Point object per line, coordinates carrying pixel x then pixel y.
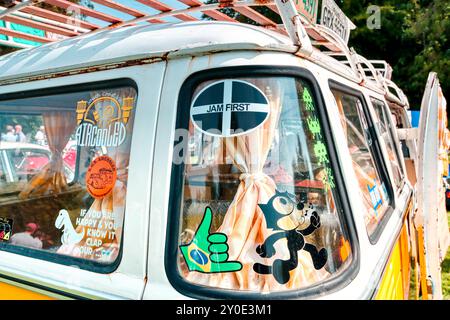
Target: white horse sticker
{"type": "Point", "coordinates": [70, 236]}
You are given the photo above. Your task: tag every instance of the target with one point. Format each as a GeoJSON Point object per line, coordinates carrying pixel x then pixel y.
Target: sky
{"type": "Point", "coordinates": [138, 6]}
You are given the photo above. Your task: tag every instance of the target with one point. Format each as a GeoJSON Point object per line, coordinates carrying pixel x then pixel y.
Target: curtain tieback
{"type": "Point", "coordinates": [249, 178]}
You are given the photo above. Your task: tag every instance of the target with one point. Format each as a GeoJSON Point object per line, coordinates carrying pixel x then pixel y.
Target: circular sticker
{"type": "Point", "coordinates": [229, 108]}
{"type": "Point", "coordinates": [101, 177]}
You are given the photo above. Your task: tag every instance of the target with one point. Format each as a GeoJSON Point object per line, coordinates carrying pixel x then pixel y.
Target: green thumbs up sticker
{"type": "Point", "coordinates": [208, 252]}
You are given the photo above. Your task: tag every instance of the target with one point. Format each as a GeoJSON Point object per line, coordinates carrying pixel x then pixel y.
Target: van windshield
{"type": "Point", "coordinates": [259, 205]}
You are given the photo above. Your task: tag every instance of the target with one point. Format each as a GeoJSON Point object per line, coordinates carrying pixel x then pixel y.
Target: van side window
{"type": "Point", "coordinates": [259, 210]}
{"type": "Point", "coordinates": [68, 156]}
{"type": "Point", "coordinates": [386, 131]}
{"type": "Point", "coordinates": [360, 143]}
{"type": "Point", "coordinates": [399, 123]}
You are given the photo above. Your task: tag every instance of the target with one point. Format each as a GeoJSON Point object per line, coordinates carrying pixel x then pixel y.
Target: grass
{"type": "Point", "coordinates": [446, 272]}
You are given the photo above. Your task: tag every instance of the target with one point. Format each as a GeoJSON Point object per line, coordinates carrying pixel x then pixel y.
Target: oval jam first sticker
{"type": "Point", "coordinates": [101, 177]}
{"type": "Point", "coordinates": [229, 108]}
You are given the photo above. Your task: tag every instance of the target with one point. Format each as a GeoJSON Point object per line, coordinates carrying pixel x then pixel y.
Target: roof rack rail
{"type": "Point", "coordinates": [316, 42]}
{"type": "Point", "coordinates": [383, 68]}
{"type": "Point", "coordinates": [394, 94]}
{"type": "Point", "coordinates": [372, 76]}
{"type": "Point", "coordinates": [328, 42]}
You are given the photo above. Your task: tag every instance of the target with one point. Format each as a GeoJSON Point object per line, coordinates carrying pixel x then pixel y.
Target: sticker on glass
{"type": "Point", "coordinates": [292, 222]}
{"type": "Point", "coordinates": [208, 252]}
{"type": "Point", "coordinates": [102, 121]}
{"type": "Point", "coordinates": [5, 229]}
{"type": "Point", "coordinates": [101, 177]}
{"type": "Point", "coordinates": [69, 236]}
{"type": "Point", "coordinates": [307, 100]}
{"type": "Point", "coordinates": [229, 108]}
{"type": "Point", "coordinates": [375, 196]}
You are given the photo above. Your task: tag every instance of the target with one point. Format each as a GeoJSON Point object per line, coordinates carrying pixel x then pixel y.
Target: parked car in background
{"type": "Point", "coordinates": [70, 155]}
{"type": "Point", "coordinates": [21, 161]}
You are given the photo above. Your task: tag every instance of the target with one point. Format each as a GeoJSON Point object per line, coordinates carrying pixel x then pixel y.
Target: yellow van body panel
{"type": "Point", "coordinates": [395, 282]}
{"type": "Point", "coordinates": [10, 292]}
{"type": "Point", "coordinates": [391, 287]}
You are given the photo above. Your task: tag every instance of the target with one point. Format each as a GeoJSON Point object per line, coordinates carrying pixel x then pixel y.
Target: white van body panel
{"type": "Point", "coordinates": [374, 258]}
{"type": "Point", "coordinates": [139, 43]}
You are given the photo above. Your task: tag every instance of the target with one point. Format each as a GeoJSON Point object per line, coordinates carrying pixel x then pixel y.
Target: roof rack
{"type": "Point", "coordinates": [383, 68]}
{"type": "Point", "coordinates": [394, 94]}
{"type": "Point", "coordinates": [315, 41]}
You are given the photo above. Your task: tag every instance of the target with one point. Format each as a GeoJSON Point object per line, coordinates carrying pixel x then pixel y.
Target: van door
{"type": "Point", "coordinates": [431, 218]}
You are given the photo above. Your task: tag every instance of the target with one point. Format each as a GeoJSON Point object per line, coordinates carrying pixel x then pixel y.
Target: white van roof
{"type": "Point", "coordinates": [140, 42]}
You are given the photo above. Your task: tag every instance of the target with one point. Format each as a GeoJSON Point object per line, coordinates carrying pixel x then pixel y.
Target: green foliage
{"type": "Point", "coordinates": [446, 271]}
{"type": "Point", "coordinates": [30, 124]}
{"type": "Point", "coordinates": [413, 38]}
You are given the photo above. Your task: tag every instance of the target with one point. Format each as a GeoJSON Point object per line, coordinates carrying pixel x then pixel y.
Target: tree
{"type": "Point", "coordinates": [413, 38]}
{"type": "Point", "coordinates": [30, 124]}
{"type": "Point", "coordinates": [431, 30]}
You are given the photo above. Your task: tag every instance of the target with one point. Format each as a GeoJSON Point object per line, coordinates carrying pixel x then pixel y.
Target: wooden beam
{"type": "Point", "coordinates": [17, 6]}
{"type": "Point", "coordinates": [157, 5]}
{"type": "Point", "coordinates": [47, 14]}
{"type": "Point", "coordinates": [22, 35]}
{"type": "Point", "coordinates": [40, 25]}
{"type": "Point", "coordinates": [273, 7]}
{"type": "Point", "coordinates": [216, 15]}
{"type": "Point", "coordinates": [83, 10]}
{"type": "Point", "coordinates": [255, 16]}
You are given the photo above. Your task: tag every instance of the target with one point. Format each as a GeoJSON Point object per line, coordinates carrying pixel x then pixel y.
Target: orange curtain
{"type": "Point", "coordinates": [244, 223]}
{"type": "Point", "coordinates": [59, 126]}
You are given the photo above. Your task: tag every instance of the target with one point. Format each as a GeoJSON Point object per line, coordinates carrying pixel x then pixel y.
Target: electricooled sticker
{"type": "Point", "coordinates": [102, 121]}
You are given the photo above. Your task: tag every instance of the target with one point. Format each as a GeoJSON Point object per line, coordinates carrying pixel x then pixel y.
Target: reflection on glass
{"type": "Point", "coordinates": [271, 192]}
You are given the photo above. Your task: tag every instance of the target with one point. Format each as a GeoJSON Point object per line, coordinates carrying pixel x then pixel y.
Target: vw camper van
{"type": "Point", "coordinates": [218, 160]}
